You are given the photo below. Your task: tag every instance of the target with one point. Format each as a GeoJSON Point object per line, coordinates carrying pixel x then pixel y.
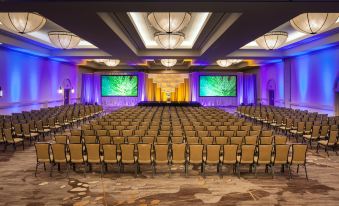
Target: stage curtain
{"type": "Point", "coordinates": [249, 89]}
{"type": "Point", "coordinates": [172, 96]}
{"type": "Point", "coordinates": [187, 90]}
{"type": "Point", "coordinates": [87, 89]}
{"type": "Point", "coordinates": [158, 93]}
{"type": "Point", "coordinates": [149, 89]}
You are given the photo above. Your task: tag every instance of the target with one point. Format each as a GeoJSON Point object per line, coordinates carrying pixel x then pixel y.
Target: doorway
{"type": "Point", "coordinates": [271, 97]}
{"type": "Point", "coordinates": [66, 96]}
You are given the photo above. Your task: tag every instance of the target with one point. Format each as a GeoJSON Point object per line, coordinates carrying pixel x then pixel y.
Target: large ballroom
{"type": "Point", "coordinates": [182, 102]}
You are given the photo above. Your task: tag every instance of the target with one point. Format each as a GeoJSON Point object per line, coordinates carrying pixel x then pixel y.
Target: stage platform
{"type": "Point", "coordinates": [172, 104]}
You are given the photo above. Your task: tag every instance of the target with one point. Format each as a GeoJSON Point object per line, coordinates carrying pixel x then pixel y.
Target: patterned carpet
{"type": "Point", "coordinates": [18, 186]}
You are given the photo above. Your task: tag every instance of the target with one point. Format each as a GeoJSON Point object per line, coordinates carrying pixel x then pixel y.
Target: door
{"type": "Point", "coordinates": [271, 97]}
{"type": "Point", "coordinates": [66, 96]}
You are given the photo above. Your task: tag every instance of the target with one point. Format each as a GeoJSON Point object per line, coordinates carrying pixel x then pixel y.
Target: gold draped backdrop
{"type": "Point", "coordinates": [181, 92]}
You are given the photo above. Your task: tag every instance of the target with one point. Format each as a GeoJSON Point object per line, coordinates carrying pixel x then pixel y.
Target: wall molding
{"type": "Point", "coordinates": [320, 107]}
{"type": "Point", "coordinates": [26, 104]}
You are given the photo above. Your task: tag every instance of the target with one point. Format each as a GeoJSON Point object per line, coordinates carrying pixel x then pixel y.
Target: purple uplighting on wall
{"type": "Point", "coordinates": [313, 79]}
{"type": "Point", "coordinates": [30, 82]}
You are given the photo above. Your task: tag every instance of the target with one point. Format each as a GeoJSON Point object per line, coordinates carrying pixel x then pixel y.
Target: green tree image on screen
{"type": "Point", "coordinates": [119, 86]}
{"type": "Point", "coordinates": [218, 86]}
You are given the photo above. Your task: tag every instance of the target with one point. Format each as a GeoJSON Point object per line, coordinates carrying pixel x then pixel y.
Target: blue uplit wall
{"type": "Point", "coordinates": [29, 80]}
{"type": "Point", "coordinates": [313, 78]}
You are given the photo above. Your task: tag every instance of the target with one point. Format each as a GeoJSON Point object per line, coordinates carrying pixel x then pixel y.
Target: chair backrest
{"type": "Point", "coordinates": [241, 133]}
{"type": "Point", "coordinates": [144, 152]}
{"type": "Point", "coordinates": [162, 140]}
{"type": "Point", "coordinates": [76, 153]}
{"type": "Point", "coordinates": [17, 128]}
{"type": "Point", "coordinates": [177, 139]}
{"type": "Point", "coordinates": [74, 139]}
{"type": "Point", "coordinates": [133, 139]}
{"type": "Point", "coordinates": [114, 133]}
{"type": "Point", "coordinates": [221, 140]}
{"type": "Point", "coordinates": [202, 133]}
{"type": "Point", "coordinates": [196, 153]}
{"type": "Point", "coordinates": [110, 152]}
{"type": "Point", "coordinates": [25, 129]}
{"type": "Point", "coordinates": [315, 130]}
{"type": "Point", "coordinates": [206, 140]}
{"type": "Point", "coordinates": [139, 133]}
{"type": "Point", "coordinates": [42, 151]}
{"type": "Point", "coordinates": [256, 128]}
{"type": "Point", "coordinates": [301, 126]}
{"type": "Point", "coordinates": [59, 152]}
{"type": "Point", "coordinates": [127, 133]}
{"type": "Point", "coordinates": [93, 153]}
{"type": "Point", "coordinates": [8, 135]}
{"type": "Point", "coordinates": [161, 152]}
{"type": "Point", "coordinates": [281, 153]}
{"type": "Point", "coordinates": [266, 140]}
{"type": "Point", "coordinates": [88, 133]}
{"type": "Point", "coordinates": [266, 133]}
{"type": "Point", "coordinates": [118, 140]}
{"type": "Point", "coordinates": [230, 154]}
{"type": "Point", "coordinates": [75, 132]}
{"type": "Point", "coordinates": [228, 133]}
{"type": "Point", "coordinates": [247, 153]}
{"type": "Point", "coordinates": [333, 137]}
{"type": "Point", "coordinates": [90, 139]}
{"type": "Point", "coordinates": [236, 140]}
{"type": "Point", "coordinates": [104, 140]}
{"type": "Point", "coordinates": [324, 130]}
{"type": "Point", "coordinates": [192, 140]}
{"type": "Point", "coordinates": [299, 153]}
{"type": "Point", "coordinates": [178, 152]}
{"type": "Point", "coordinates": [101, 132]}
{"type": "Point", "coordinates": [127, 153]}
{"type": "Point", "coordinates": [251, 140]}
{"type": "Point", "coordinates": [265, 153]}
{"type": "Point", "coordinates": [62, 139]}
{"type": "Point", "coordinates": [255, 132]}
{"type": "Point", "coordinates": [190, 133]}
{"type": "Point", "coordinates": [212, 153]}
{"type": "Point", "coordinates": [279, 139]}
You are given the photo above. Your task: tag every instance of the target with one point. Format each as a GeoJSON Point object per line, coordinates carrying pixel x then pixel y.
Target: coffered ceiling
{"type": "Point", "coordinates": [218, 29]}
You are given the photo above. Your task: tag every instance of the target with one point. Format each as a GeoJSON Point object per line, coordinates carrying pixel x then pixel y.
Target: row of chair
{"type": "Point", "coordinates": [278, 139]}
{"type": "Point", "coordinates": [164, 154]}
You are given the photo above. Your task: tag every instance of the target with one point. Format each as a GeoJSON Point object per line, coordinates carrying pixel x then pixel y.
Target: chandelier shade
{"type": "Point", "coordinates": [272, 40]}
{"type": "Point", "coordinates": [112, 62]}
{"type": "Point", "coordinates": [22, 22]}
{"type": "Point", "coordinates": [169, 21]}
{"type": "Point", "coordinates": [168, 62]}
{"type": "Point", "coordinates": [169, 40]}
{"type": "Point", "coordinates": [100, 60]}
{"type": "Point", "coordinates": [312, 23]}
{"type": "Point", "coordinates": [64, 39]}
{"type": "Point", "coordinates": [227, 62]}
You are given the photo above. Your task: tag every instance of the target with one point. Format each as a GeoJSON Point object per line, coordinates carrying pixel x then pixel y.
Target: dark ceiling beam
{"type": "Point", "coordinates": [248, 27]}
{"type": "Point", "coordinates": [156, 5]}
{"type": "Point", "coordinates": [91, 27]}
{"type": "Point", "coordinates": [255, 54]}
{"type": "Point", "coordinates": [80, 53]}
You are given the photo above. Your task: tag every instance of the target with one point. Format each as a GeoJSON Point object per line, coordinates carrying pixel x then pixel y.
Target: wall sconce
{"type": "Point", "coordinates": [60, 91]}
{"type": "Point", "coordinates": [72, 90]}
{"type": "Point", "coordinates": [1, 92]}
